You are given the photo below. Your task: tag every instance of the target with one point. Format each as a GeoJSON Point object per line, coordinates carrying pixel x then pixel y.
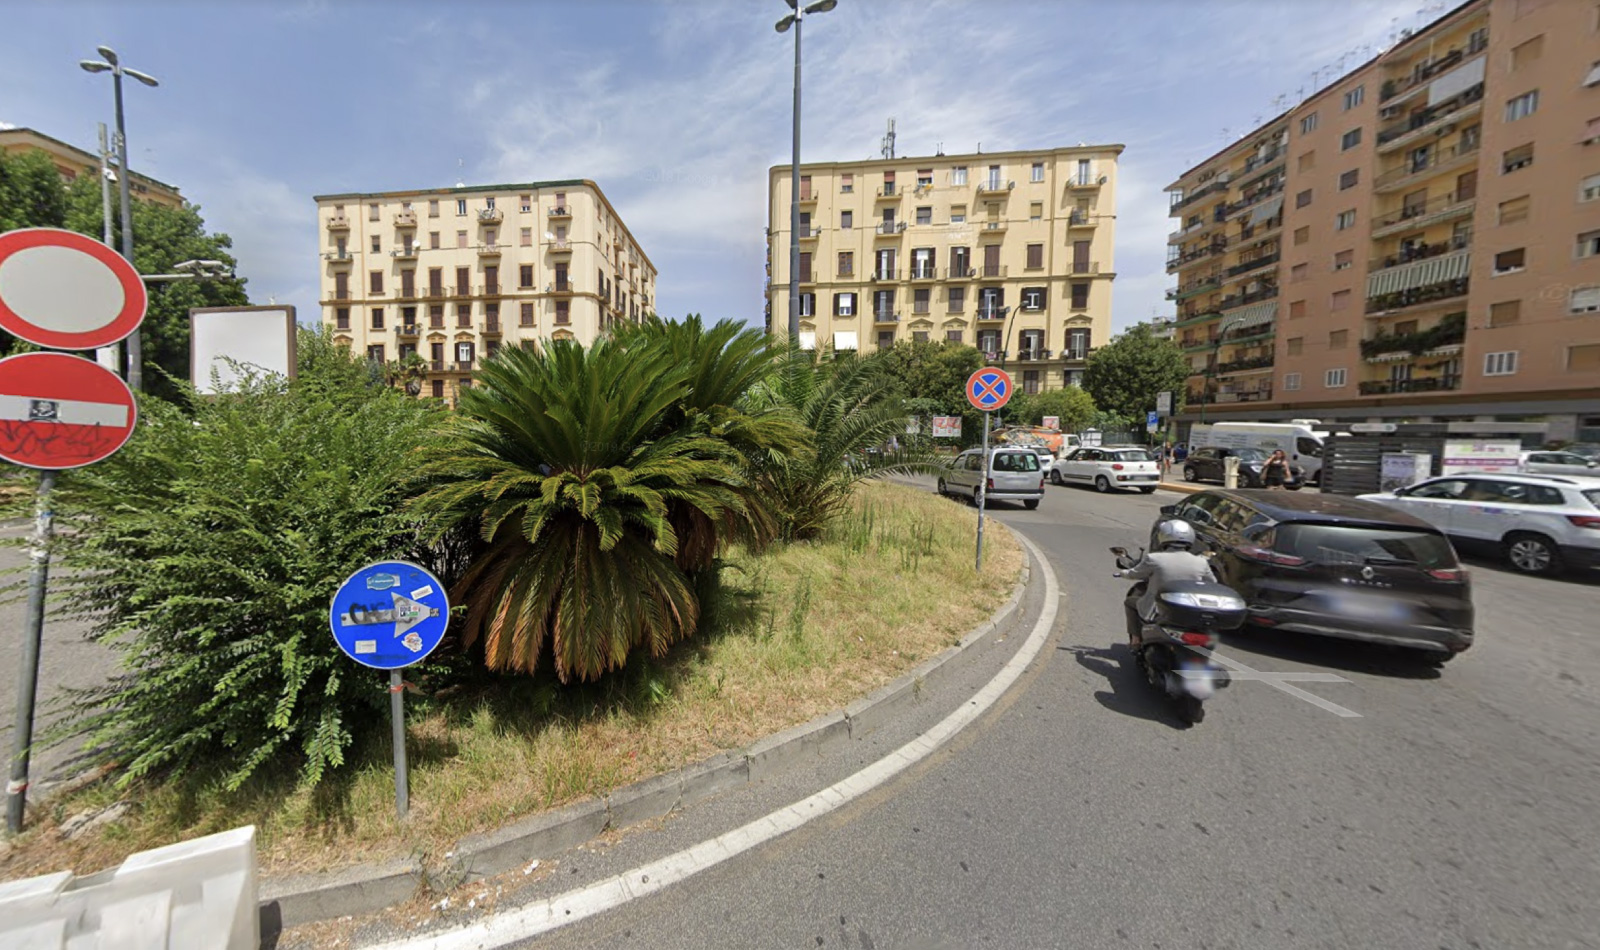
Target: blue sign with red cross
{"type": "Point", "coordinates": [989, 389]}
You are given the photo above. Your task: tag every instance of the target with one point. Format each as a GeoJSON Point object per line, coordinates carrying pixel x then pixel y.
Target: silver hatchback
{"type": "Point", "coordinates": [1014, 475]}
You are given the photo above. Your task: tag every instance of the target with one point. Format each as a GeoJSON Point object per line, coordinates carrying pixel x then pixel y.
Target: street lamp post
{"type": "Point", "coordinates": [794, 19]}
{"type": "Point", "coordinates": [112, 65]}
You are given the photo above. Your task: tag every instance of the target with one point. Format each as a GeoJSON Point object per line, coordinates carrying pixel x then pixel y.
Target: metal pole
{"type": "Point", "coordinates": [398, 714]}
{"type": "Point", "coordinates": [113, 353]}
{"type": "Point", "coordinates": [28, 665]}
{"type": "Point", "coordinates": [983, 491]}
{"type": "Point", "coordinates": [794, 198]}
{"type": "Point", "coordinates": [135, 345]}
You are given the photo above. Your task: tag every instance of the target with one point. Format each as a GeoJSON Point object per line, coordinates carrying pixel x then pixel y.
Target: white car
{"type": "Point", "coordinates": [1107, 467]}
{"type": "Point", "coordinates": [1559, 463]}
{"type": "Point", "coordinates": [1541, 524]}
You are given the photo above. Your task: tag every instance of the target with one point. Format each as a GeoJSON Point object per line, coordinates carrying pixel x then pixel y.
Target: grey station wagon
{"type": "Point", "coordinates": [1014, 475]}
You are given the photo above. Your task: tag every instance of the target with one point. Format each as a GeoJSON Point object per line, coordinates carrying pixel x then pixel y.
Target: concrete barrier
{"type": "Point", "coordinates": [199, 893]}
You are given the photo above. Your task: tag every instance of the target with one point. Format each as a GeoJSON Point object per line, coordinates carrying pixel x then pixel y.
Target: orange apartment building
{"type": "Point", "coordinates": [1419, 241]}
{"type": "Point", "coordinates": [71, 162]}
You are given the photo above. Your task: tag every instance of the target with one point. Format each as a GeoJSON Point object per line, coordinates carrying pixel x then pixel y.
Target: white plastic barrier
{"type": "Point", "coordinates": [199, 893]}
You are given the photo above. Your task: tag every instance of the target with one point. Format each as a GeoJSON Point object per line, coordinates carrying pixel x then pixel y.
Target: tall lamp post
{"type": "Point", "coordinates": [111, 64]}
{"type": "Point", "coordinates": [794, 19]}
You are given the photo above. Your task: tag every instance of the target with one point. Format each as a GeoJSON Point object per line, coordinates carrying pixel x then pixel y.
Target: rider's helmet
{"type": "Point", "coordinates": [1175, 535]}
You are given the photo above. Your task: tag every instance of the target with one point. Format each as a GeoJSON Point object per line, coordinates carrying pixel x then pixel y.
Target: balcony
{"type": "Point", "coordinates": [1413, 129]}
{"type": "Point", "coordinates": [1217, 246]}
{"type": "Point", "coordinates": [1450, 331]}
{"type": "Point", "coordinates": [891, 228]}
{"type": "Point", "coordinates": [406, 253]}
{"type": "Point", "coordinates": [490, 250]}
{"type": "Point", "coordinates": [490, 215]}
{"type": "Point", "coordinates": [1262, 163]}
{"type": "Point", "coordinates": [1255, 197]}
{"type": "Point", "coordinates": [1239, 300]}
{"type": "Point", "coordinates": [927, 272]}
{"type": "Point", "coordinates": [491, 290]}
{"type": "Point", "coordinates": [1082, 219]}
{"type": "Point", "coordinates": [1422, 74]}
{"type": "Point", "coordinates": [408, 330]}
{"type": "Point", "coordinates": [559, 211]}
{"type": "Point", "coordinates": [990, 187]}
{"type": "Point", "coordinates": [990, 227]}
{"type": "Point", "coordinates": [960, 273]}
{"type": "Point", "coordinates": [1438, 162]}
{"type": "Point", "coordinates": [1252, 365]}
{"type": "Point", "coordinates": [1215, 188]}
{"type": "Point", "coordinates": [462, 366]}
{"type": "Point", "coordinates": [559, 246]}
{"type": "Point", "coordinates": [338, 222]}
{"type": "Point", "coordinates": [405, 219]}
{"type": "Point", "coordinates": [1245, 267]}
{"type": "Point", "coordinates": [437, 366]}
{"type": "Point", "coordinates": [810, 234]}
{"type": "Point", "coordinates": [1074, 354]}
{"type": "Point", "coordinates": [1419, 252]}
{"type": "Point", "coordinates": [1417, 298]}
{"type": "Point", "coordinates": [992, 313]}
{"type": "Point", "coordinates": [1192, 315]}
{"type": "Point", "coordinates": [339, 257]}
{"type": "Point", "coordinates": [1414, 217]}
{"type": "Point", "coordinates": [886, 316]}
{"type": "Point", "coordinates": [991, 270]}
{"type": "Point", "coordinates": [807, 196]}
{"type": "Point", "coordinates": [1422, 384]}
{"type": "Point", "coordinates": [884, 275]}
{"type": "Point", "coordinates": [1199, 285]}
{"type": "Point", "coordinates": [1084, 267]}
{"type": "Point", "coordinates": [492, 328]}
{"type": "Point", "coordinates": [407, 293]}
{"type": "Point", "coordinates": [889, 193]}
{"type": "Point", "coordinates": [1192, 344]}
{"type": "Point", "coordinates": [1078, 182]}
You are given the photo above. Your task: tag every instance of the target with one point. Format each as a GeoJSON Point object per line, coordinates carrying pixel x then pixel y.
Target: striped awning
{"type": "Point", "coordinates": [1434, 270]}
{"type": "Point", "coordinates": [1255, 315]}
{"type": "Point", "coordinates": [1267, 210]}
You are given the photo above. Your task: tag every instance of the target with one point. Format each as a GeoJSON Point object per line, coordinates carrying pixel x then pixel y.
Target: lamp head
{"type": "Point", "coordinates": [108, 53]}
{"type": "Point", "coordinates": [93, 65]}
{"type": "Point", "coordinates": [145, 78]}
{"type": "Point", "coordinates": [822, 6]}
{"type": "Point", "coordinates": [784, 24]}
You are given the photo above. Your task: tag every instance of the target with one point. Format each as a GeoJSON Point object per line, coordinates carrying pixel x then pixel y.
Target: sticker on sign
{"type": "Point", "coordinates": [61, 411]}
{"type": "Point", "coordinates": [66, 291]}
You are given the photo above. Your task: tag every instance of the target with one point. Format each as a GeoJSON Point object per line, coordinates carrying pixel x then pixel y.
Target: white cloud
{"type": "Point", "coordinates": [7, 125]}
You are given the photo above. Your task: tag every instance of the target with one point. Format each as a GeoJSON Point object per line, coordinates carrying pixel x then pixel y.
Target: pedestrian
{"type": "Point", "coordinates": [1276, 472]}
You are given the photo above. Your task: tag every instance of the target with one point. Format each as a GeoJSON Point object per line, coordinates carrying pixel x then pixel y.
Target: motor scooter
{"type": "Point", "coordinates": [1173, 648]}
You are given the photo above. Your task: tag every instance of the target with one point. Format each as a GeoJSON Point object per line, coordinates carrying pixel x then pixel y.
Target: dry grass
{"type": "Point", "coordinates": [791, 635]}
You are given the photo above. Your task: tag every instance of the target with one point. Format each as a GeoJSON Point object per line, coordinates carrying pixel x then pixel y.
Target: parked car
{"type": "Point", "coordinates": [1206, 465]}
{"type": "Point", "coordinates": [1559, 463]}
{"type": "Point", "coordinates": [1047, 459]}
{"type": "Point", "coordinates": [1014, 475]}
{"type": "Point", "coordinates": [1588, 450]}
{"type": "Point", "coordinates": [1126, 467]}
{"type": "Point", "coordinates": [1337, 567]}
{"type": "Point", "coordinates": [1541, 524]}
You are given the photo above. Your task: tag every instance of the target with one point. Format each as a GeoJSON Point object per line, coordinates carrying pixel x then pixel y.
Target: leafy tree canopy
{"type": "Point", "coordinates": [1125, 375]}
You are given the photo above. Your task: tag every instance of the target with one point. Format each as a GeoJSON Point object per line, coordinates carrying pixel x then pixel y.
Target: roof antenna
{"type": "Point", "coordinates": [888, 141]}
{"type": "Point", "coordinates": [939, 149]}
{"type": "Point", "coordinates": [460, 183]}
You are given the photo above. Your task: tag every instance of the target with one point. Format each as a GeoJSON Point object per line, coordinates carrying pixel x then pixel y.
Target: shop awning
{"type": "Point", "coordinates": [1255, 315]}
{"type": "Point", "coordinates": [1434, 270]}
{"type": "Point", "coordinates": [1267, 210]}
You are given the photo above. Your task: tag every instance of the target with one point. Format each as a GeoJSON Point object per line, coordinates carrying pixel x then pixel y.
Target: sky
{"type": "Point", "coordinates": [677, 108]}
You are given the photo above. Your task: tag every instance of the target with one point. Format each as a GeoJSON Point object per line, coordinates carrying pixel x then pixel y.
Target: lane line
{"type": "Point", "coordinates": [569, 908]}
{"type": "Point", "coordinates": [1280, 681]}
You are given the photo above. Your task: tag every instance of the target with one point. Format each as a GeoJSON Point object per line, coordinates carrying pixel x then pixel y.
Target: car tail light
{"type": "Point", "coordinates": [1266, 556]}
{"type": "Point", "coordinates": [1585, 521]}
{"type": "Point", "coordinates": [1041, 483]}
{"type": "Point", "coordinates": [1196, 639]}
{"type": "Point", "coordinates": [1116, 467]}
{"type": "Point", "coordinates": [988, 483]}
{"type": "Point", "coordinates": [1453, 574]}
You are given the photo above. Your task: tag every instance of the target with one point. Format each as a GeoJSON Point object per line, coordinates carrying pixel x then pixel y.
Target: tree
{"type": "Point", "coordinates": [1072, 405]}
{"type": "Point", "coordinates": [935, 375]}
{"type": "Point", "coordinates": [1125, 375]}
{"type": "Point", "coordinates": [31, 193]}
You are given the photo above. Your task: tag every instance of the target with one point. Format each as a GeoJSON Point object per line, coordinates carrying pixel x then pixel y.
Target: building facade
{"type": "Point", "coordinates": [1010, 252]}
{"type": "Point", "coordinates": [72, 162]}
{"type": "Point", "coordinates": [1425, 244]}
{"type": "Point", "coordinates": [453, 274]}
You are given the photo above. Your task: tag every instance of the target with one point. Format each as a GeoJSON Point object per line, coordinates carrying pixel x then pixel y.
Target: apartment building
{"type": "Point", "coordinates": [72, 162]}
{"type": "Point", "coordinates": [1438, 255]}
{"type": "Point", "coordinates": [1007, 251]}
{"type": "Point", "coordinates": [453, 274]}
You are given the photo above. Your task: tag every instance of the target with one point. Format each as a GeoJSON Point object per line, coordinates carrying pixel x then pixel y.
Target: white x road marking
{"type": "Point", "coordinates": [1281, 681]}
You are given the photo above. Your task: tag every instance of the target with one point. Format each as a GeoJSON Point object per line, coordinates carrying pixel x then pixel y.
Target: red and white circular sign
{"type": "Point", "coordinates": [66, 291]}
{"type": "Point", "coordinates": [62, 411]}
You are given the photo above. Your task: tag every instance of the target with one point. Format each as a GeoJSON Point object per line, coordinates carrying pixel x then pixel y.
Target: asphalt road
{"type": "Point", "coordinates": [1454, 810]}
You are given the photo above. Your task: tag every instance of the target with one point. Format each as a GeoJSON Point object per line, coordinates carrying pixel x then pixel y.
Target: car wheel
{"type": "Point", "coordinates": [1055, 477]}
{"type": "Point", "coordinates": [1189, 474]}
{"type": "Point", "coordinates": [941, 488]}
{"type": "Point", "coordinates": [1031, 504]}
{"type": "Point", "coordinates": [1101, 484]}
{"type": "Point", "coordinates": [1150, 490]}
{"type": "Point", "coordinates": [1533, 554]}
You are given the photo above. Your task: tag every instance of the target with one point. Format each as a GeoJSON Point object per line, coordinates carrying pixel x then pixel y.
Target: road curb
{"type": "Point", "coordinates": [291, 902]}
{"type": "Point", "coordinates": [1181, 488]}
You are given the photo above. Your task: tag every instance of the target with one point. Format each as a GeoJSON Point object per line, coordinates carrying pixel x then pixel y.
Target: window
{"type": "Point", "coordinates": [375, 353]}
{"type": "Point", "coordinates": [438, 388]}
{"type": "Point", "coordinates": [1584, 300]}
{"type": "Point", "coordinates": [952, 336]}
{"type": "Point", "coordinates": [463, 280]}
{"type": "Point", "coordinates": [489, 202]}
{"type": "Point", "coordinates": [372, 212]}
{"type": "Point", "coordinates": [1591, 132]}
{"type": "Point", "coordinates": [847, 263]}
{"type": "Point", "coordinates": [1033, 298]}
{"type": "Point", "coordinates": [1306, 162]}
{"type": "Point", "coordinates": [1589, 244]}
{"type": "Point", "coordinates": [563, 311]}
{"type": "Point", "coordinates": [1296, 345]}
{"type": "Point", "coordinates": [433, 240]}
{"type": "Point", "coordinates": [1084, 173]}
{"type": "Point", "coordinates": [1299, 272]}
{"type": "Point", "coordinates": [1507, 313]}
{"type": "Point", "coordinates": [1514, 210]}
{"type": "Point", "coordinates": [525, 276]}
{"type": "Point", "coordinates": [525, 315]}
{"type": "Point", "coordinates": [844, 305]}
{"type": "Point", "coordinates": [1350, 140]}
{"type": "Point", "coordinates": [847, 220]}
{"type": "Point", "coordinates": [958, 175]}
{"type": "Point", "coordinates": [921, 336]}
{"type": "Point", "coordinates": [925, 215]}
{"type": "Point", "coordinates": [1035, 256]}
{"type": "Point", "coordinates": [1522, 106]}
{"type": "Point", "coordinates": [1339, 339]}
{"type": "Point", "coordinates": [847, 184]}
{"type": "Point", "coordinates": [377, 247]}
{"type": "Point", "coordinates": [957, 299]}
{"type": "Point", "coordinates": [1302, 235]}
{"type": "Point", "coordinates": [525, 203]}
{"type": "Point", "coordinates": [1036, 211]}
{"type": "Point", "coordinates": [1308, 124]}
{"type": "Point", "coordinates": [991, 303]}
{"type": "Point", "coordinates": [1517, 158]}
{"type": "Point", "coordinates": [1349, 179]}
{"type": "Point", "coordinates": [436, 315]}
{"type": "Point", "coordinates": [1585, 358]}
{"type": "Point", "coordinates": [1344, 260]}
{"type": "Point", "coordinates": [921, 297]}
{"type": "Point", "coordinates": [1291, 381]}
{"type": "Point", "coordinates": [526, 237]}
{"type": "Point", "coordinates": [888, 183]}
{"type": "Point", "coordinates": [1038, 172]}
{"type": "Point", "coordinates": [883, 303]}
{"type": "Point", "coordinates": [1303, 198]}
{"type": "Point", "coordinates": [958, 214]}
{"type": "Point", "coordinates": [433, 208]}
{"type": "Point", "coordinates": [1524, 54]}
{"type": "Point", "coordinates": [1593, 79]}
{"type": "Point", "coordinates": [885, 339]}
{"type": "Point", "coordinates": [1297, 309]}
{"type": "Point", "coordinates": [924, 178]}
{"type": "Point", "coordinates": [1345, 220]}
{"type": "Point", "coordinates": [1030, 382]}
{"type": "Point", "coordinates": [376, 279]}
{"type": "Point", "coordinates": [1080, 296]}
{"type": "Point", "coordinates": [1354, 97]}
{"type": "Point", "coordinates": [464, 352]}
{"type": "Point", "coordinates": [1503, 363]}
{"type": "Point", "coordinates": [1335, 378]}
{"type": "Point", "coordinates": [1589, 189]}
{"type": "Point", "coordinates": [461, 239]}
{"type": "Point", "coordinates": [461, 207]}
{"type": "Point", "coordinates": [463, 314]}
{"type": "Point", "coordinates": [808, 305]}
{"type": "Point", "coordinates": [1078, 343]}
{"type": "Point", "coordinates": [1509, 262]}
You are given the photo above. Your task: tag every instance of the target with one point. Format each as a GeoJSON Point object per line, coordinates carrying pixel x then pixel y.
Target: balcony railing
{"type": "Point", "coordinates": [1400, 132]}
{"type": "Point", "coordinates": [991, 186]}
{"type": "Point", "coordinates": [1272, 157]}
{"type": "Point", "coordinates": [1420, 252]}
{"type": "Point", "coordinates": [405, 218]}
{"type": "Point", "coordinates": [1217, 246]}
{"type": "Point", "coordinates": [1239, 366]}
{"type": "Point", "coordinates": [1438, 160]}
{"type": "Point", "coordinates": [928, 272]}
{"type": "Point", "coordinates": [1449, 331]}
{"type": "Point", "coordinates": [559, 211]}
{"type": "Point", "coordinates": [1080, 219]}
{"type": "Point", "coordinates": [1437, 209]}
{"type": "Point", "coordinates": [992, 224]}
{"type": "Point", "coordinates": [807, 196]}
{"type": "Point", "coordinates": [1421, 384]}
{"type": "Point", "coordinates": [1086, 181]}
{"type": "Point", "coordinates": [991, 313]}
{"type": "Point", "coordinates": [1422, 73]}
{"type": "Point", "coordinates": [885, 275]}
{"type": "Point", "coordinates": [1198, 285]}
{"type": "Point", "coordinates": [966, 272]}
{"type": "Point", "coordinates": [1245, 267]}
{"type": "Point", "coordinates": [408, 329]}
{"type": "Point", "coordinates": [992, 270]}
{"type": "Point", "coordinates": [1432, 293]}
{"type": "Point", "coordinates": [889, 191]}
{"type": "Point", "coordinates": [810, 234]}
{"type": "Point", "coordinates": [1084, 267]}
{"type": "Point", "coordinates": [1238, 300]}
{"type": "Point", "coordinates": [1255, 197]}
{"type": "Point", "coordinates": [338, 222]}
{"type": "Point", "coordinates": [339, 257]}
{"type": "Point", "coordinates": [1263, 394]}
{"type": "Point", "coordinates": [490, 250]}
{"type": "Point", "coordinates": [1075, 354]}
{"type": "Point", "coordinates": [490, 215]}
{"type": "Point", "coordinates": [891, 227]}
{"type": "Point", "coordinates": [405, 253]}
{"type": "Point", "coordinates": [491, 290]}
{"type": "Point", "coordinates": [492, 327]}
{"type": "Point", "coordinates": [1210, 190]}
{"type": "Point", "coordinates": [559, 246]}
{"type": "Point", "coordinates": [885, 316]}
{"type": "Point", "coordinates": [407, 293]}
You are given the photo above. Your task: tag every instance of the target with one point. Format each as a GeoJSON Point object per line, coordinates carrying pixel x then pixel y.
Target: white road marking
{"type": "Point", "coordinates": [1281, 681]}
{"type": "Point", "coordinates": [573, 906]}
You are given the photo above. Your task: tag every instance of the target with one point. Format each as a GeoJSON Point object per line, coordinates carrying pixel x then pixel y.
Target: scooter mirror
{"type": "Point", "coordinates": [1120, 552]}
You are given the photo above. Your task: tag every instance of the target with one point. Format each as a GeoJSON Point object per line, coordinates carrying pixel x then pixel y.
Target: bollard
{"type": "Point", "coordinates": [1230, 472]}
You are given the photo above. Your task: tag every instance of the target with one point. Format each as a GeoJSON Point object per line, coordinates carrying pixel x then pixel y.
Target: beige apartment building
{"type": "Point", "coordinates": [72, 162]}
{"type": "Point", "coordinates": [1418, 241]}
{"type": "Point", "coordinates": [453, 274]}
{"type": "Point", "coordinates": [1007, 251]}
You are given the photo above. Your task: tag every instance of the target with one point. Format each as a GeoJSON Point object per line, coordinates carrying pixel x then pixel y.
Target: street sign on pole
{"type": "Point", "coordinates": [60, 411]}
{"type": "Point", "coordinates": [66, 291]}
{"type": "Point", "coordinates": [1164, 403]}
{"type": "Point", "coordinates": [1152, 421]}
{"type": "Point", "coordinates": [989, 389]}
{"type": "Point", "coordinates": [390, 615]}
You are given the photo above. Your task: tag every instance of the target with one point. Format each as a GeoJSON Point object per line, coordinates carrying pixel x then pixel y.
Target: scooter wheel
{"type": "Point", "coordinates": [1191, 710]}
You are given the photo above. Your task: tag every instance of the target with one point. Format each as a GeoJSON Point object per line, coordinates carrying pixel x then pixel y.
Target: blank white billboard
{"type": "Point", "coordinates": [259, 338]}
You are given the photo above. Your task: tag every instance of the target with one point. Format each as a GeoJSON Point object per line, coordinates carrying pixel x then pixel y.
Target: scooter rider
{"type": "Point", "coordinates": [1174, 561]}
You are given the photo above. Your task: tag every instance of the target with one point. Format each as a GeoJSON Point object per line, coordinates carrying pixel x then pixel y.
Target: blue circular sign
{"type": "Point", "coordinates": [389, 615]}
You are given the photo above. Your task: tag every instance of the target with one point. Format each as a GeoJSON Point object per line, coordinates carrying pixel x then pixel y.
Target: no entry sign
{"type": "Point", "coordinates": [67, 291]}
{"type": "Point", "coordinates": [61, 411]}
{"type": "Point", "coordinates": [989, 389]}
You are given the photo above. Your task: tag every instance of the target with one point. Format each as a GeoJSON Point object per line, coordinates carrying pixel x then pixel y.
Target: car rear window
{"type": "Point", "coordinates": [1015, 462]}
{"type": "Point", "coordinates": [1351, 544]}
{"type": "Point", "coordinates": [1130, 455]}
{"type": "Point", "coordinates": [1593, 494]}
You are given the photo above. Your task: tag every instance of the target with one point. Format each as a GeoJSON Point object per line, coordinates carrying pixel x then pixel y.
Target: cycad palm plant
{"type": "Point", "coordinates": [572, 462]}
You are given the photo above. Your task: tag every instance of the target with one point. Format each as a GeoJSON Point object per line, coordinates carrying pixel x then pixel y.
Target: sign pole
{"type": "Point", "coordinates": [28, 667]}
{"type": "Point", "coordinates": [983, 491]}
{"type": "Point", "coordinates": [397, 692]}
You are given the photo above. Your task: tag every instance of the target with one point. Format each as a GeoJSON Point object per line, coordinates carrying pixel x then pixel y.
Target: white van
{"type": "Point", "coordinates": [1298, 440]}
